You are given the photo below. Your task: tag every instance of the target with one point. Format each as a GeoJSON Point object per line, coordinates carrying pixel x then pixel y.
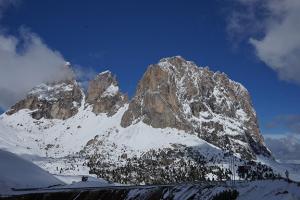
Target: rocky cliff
{"type": "Point", "coordinates": [104, 94]}
{"type": "Point", "coordinates": [58, 100]}
{"type": "Point", "coordinates": [61, 99]}
{"type": "Point", "coordinates": [177, 93]}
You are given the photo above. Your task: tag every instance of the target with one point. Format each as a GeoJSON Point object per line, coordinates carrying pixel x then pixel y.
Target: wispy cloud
{"type": "Point", "coordinates": [286, 148]}
{"type": "Point", "coordinates": [272, 28]}
{"type": "Point", "coordinates": [25, 61]}
{"type": "Point", "coordinates": [84, 74]}
{"type": "Point", "coordinates": [290, 123]}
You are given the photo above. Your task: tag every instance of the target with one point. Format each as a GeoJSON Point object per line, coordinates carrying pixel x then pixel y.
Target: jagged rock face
{"type": "Point", "coordinates": [58, 100]}
{"type": "Point", "coordinates": [104, 94]}
{"type": "Point", "coordinates": [178, 94]}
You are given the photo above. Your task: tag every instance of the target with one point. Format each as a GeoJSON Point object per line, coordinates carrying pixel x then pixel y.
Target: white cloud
{"type": "Point", "coordinates": [25, 62]}
{"type": "Point", "coordinates": [84, 75]}
{"type": "Point", "coordinates": [273, 28]}
{"type": "Point", "coordinates": [290, 123]}
{"type": "Point", "coordinates": [285, 148]}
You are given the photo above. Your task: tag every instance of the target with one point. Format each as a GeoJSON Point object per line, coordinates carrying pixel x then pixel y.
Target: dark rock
{"type": "Point", "coordinates": [58, 100]}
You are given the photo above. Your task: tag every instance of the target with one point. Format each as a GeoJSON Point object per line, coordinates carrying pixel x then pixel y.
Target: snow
{"type": "Point", "coordinates": [268, 190]}
{"type": "Point", "coordinates": [75, 182]}
{"type": "Point", "coordinates": [69, 179]}
{"type": "Point", "coordinates": [211, 176]}
{"type": "Point", "coordinates": [242, 115]}
{"type": "Point", "coordinates": [49, 92]}
{"type": "Point", "coordinates": [293, 169]}
{"type": "Point", "coordinates": [262, 190]}
{"type": "Point", "coordinates": [104, 72]}
{"type": "Point", "coordinates": [12, 140]}
{"type": "Point", "coordinates": [68, 64]}
{"type": "Point", "coordinates": [141, 137]}
{"type": "Point", "coordinates": [218, 95]}
{"type": "Point", "coordinates": [15, 172]}
{"type": "Point", "coordinates": [233, 126]}
{"type": "Point", "coordinates": [112, 90]}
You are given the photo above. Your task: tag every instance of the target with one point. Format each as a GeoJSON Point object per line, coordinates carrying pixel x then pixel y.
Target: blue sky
{"type": "Point", "coordinates": [126, 36]}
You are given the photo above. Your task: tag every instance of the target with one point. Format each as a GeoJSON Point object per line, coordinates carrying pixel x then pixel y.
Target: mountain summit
{"type": "Point", "coordinates": [177, 93]}
{"type": "Point", "coordinates": [104, 94]}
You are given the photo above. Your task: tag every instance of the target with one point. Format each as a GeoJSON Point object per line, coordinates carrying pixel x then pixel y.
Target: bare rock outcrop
{"type": "Point", "coordinates": [104, 94]}
{"type": "Point", "coordinates": [178, 94]}
{"type": "Point", "coordinates": [58, 100]}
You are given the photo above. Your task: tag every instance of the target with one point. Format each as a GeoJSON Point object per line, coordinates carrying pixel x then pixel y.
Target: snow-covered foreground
{"type": "Point", "coordinates": [18, 175]}
{"type": "Point", "coordinates": [269, 190]}
{"type": "Point", "coordinates": [15, 172]}
{"type": "Point", "coordinates": [262, 190]}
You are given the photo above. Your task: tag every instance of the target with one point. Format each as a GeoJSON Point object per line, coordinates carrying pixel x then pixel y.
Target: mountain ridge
{"type": "Point", "coordinates": [113, 137]}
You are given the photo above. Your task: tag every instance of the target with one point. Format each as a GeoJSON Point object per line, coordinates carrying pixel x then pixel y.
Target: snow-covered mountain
{"type": "Point", "coordinates": [178, 127]}
{"type": "Point", "coordinates": [177, 93]}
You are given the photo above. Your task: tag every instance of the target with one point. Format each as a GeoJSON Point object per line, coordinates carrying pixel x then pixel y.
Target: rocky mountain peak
{"type": "Point", "coordinates": [56, 100]}
{"type": "Point", "coordinates": [104, 94]}
{"type": "Point", "coordinates": [175, 63]}
{"type": "Point", "coordinates": [61, 99]}
{"type": "Point", "coordinates": [177, 93]}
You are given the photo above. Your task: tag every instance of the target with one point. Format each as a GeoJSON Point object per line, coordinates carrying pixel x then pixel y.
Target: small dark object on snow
{"type": "Point", "coordinates": [284, 192]}
{"type": "Point", "coordinates": [84, 178]}
{"type": "Point", "coordinates": [287, 174]}
{"type": "Point", "coordinates": [226, 195]}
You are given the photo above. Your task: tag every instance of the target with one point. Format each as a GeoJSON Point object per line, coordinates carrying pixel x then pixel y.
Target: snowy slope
{"type": "Point", "coordinates": [293, 169]}
{"type": "Point", "coordinates": [262, 190]}
{"type": "Point", "coordinates": [269, 190]}
{"type": "Point", "coordinates": [71, 135]}
{"type": "Point", "coordinates": [16, 172]}
{"type": "Point", "coordinates": [58, 140]}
